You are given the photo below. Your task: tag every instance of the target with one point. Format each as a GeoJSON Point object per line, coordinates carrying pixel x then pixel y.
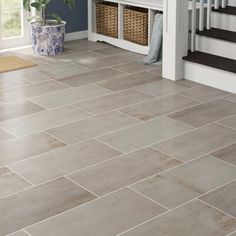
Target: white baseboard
{"type": "Point", "coordinates": [76, 35]}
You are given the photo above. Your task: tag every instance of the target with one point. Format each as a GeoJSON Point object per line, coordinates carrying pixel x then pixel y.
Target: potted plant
{"type": "Point", "coordinates": [47, 30]}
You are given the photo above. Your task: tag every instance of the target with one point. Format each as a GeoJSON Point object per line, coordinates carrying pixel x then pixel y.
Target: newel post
{"type": "Point", "coordinates": [175, 38]}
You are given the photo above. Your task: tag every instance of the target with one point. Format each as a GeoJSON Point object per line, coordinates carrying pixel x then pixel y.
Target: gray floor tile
{"type": "Point", "coordinates": [204, 93]}
{"type": "Point", "coordinates": [106, 216]}
{"type": "Point", "coordinates": [85, 129]}
{"type": "Point", "coordinates": [144, 134]}
{"type": "Point", "coordinates": [231, 122]}
{"type": "Point", "coordinates": [4, 136]}
{"type": "Point", "coordinates": [133, 67]}
{"type": "Point", "coordinates": [187, 181]}
{"type": "Point", "coordinates": [110, 61]}
{"type": "Point", "coordinates": [110, 51]}
{"type": "Point", "coordinates": [43, 120]}
{"type": "Point", "coordinates": [223, 198]}
{"type": "Point", "coordinates": [17, 94]}
{"type": "Point", "coordinates": [206, 113]}
{"type": "Point", "coordinates": [123, 171]}
{"type": "Point", "coordinates": [14, 110]}
{"type": "Point", "coordinates": [157, 70]}
{"type": "Point", "coordinates": [11, 183]}
{"type": "Point", "coordinates": [162, 87]}
{"type": "Point", "coordinates": [193, 219]}
{"type": "Point", "coordinates": [22, 148]}
{"type": "Point", "coordinates": [37, 77]}
{"type": "Point", "coordinates": [129, 81]}
{"type": "Point", "coordinates": [114, 101]}
{"type": "Point", "coordinates": [198, 142]}
{"type": "Point", "coordinates": [69, 96]}
{"type": "Point", "coordinates": [10, 82]}
{"type": "Point", "coordinates": [39, 203]}
{"type": "Point", "coordinates": [231, 98]}
{"type": "Point", "coordinates": [159, 106]}
{"type": "Point", "coordinates": [19, 233]}
{"type": "Point", "coordinates": [91, 77]}
{"type": "Point", "coordinates": [226, 154]}
{"type": "Point", "coordinates": [63, 161]}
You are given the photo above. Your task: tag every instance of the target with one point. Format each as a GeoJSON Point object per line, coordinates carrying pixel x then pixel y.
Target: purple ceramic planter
{"type": "Point", "coordinates": [48, 40]}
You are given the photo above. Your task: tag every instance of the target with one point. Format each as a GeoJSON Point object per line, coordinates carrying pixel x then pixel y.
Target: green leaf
{"type": "Point", "coordinates": [37, 5]}
{"type": "Point", "coordinates": [26, 4]}
{"type": "Point", "coordinates": [55, 16]}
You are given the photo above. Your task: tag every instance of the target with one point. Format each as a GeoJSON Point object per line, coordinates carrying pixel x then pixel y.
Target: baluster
{"type": "Point", "coordinates": [217, 4]}
{"type": "Point", "coordinates": [193, 29]}
{"type": "Point", "coordinates": [223, 3]}
{"type": "Point", "coordinates": [209, 14]}
{"type": "Point", "coordinates": [201, 15]}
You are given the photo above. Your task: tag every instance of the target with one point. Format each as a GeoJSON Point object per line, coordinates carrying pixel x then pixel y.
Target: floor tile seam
{"type": "Point", "coordinates": [231, 233]}
{"type": "Point", "coordinates": [194, 199]}
{"type": "Point", "coordinates": [223, 161]}
{"type": "Point", "coordinates": [226, 126]}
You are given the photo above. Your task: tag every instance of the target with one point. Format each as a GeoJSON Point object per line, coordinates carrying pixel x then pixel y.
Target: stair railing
{"type": "Point", "coordinates": [203, 6]}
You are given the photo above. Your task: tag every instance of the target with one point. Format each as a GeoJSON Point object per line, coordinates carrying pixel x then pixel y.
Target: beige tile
{"type": "Point", "coordinates": [14, 95]}
{"type": "Point", "coordinates": [156, 70]}
{"type": "Point", "coordinates": [206, 113]}
{"type": "Point", "coordinates": [14, 110]}
{"type": "Point", "coordinates": [42, 120]}
{"type": "Point", "coordinates": [4, 136]}
{"type": "Point", "coordinates": [226, 154]}
{"type": "Point", "coordinates": [39, 203]}
{"type": "Point", "coordinates": [11, 183]}
{"type": "Point", "coordinates": [37, 77]}
{"type": "Point", "coordinates": [19, 233]}
{"type": "Point", "coordinates": [204, 93]}
{"type": "Point", "coordinates": [86, 129]}
{"type": "Point", "coordinates": [187, 181]}
{"type": "Point", "coordinates": [91, 77]}
{"type": "Point", "coordinates": [223, 198]}
{"type": "Point", "coordinates": [63, 161]}
{"type": "Point", "coordinates": [194, 218]}
{"type": "Point", "coordinates": [198, 142]}
{"type": "Point", "coordinates": [123, 171]}
{"type": "Point", "coordinates": [110, 61]}
{"type": "Point", "coordinates": [231, 98]}
{"type": "Point", "coordinates": [10, 82]}
{"type": "Point", "coordinates": [69, 96]}
{"type": "Point", "coordinates": [129, 81]}
{"type": "Point", "coordinates": [233, 234]}
{"type": "Point", "coordinates": [162, 87]}
{"type": "Point", "coordinates": [159, 106]}
{"type": "Point", "coordinates": [144, 134]}
{"type": "Point", "coordinates": [110, 51]}
{"type": "Point", "coordinates": [113, 101]}
{"type": "Point", "coordinates": [133, 67]}
{"type": "Point", "coordinates": [188, 83]}
{"type": "Point", "coordinates": [106, 216]}
{"type": "Point", "coordinates": [22, 148]}
{"type": "Point", "coordinates": [231, 122]}
{"type": "Point", "coordinates": [65, 71]}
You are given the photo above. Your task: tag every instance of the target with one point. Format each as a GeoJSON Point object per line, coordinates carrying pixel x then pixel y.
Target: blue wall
{"type": "Point", "coordinates": [76, 18]}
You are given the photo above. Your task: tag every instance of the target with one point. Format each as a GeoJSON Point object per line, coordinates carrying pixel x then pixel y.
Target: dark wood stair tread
{"type": "Point", "coordinates": [219, 34]}
{"type": "Point", "coordinates": [228, 10]}
{"type": "Point", "coordinates": [212, 61]}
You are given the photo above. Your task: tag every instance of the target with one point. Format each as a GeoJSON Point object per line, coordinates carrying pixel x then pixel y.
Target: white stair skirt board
{"type": "Point", "coordinates": [223, 21]}
{"type": "Point", "coordinates": [210, 76]}
{"type": "Point", "coordinates": [76, 35]}
{"type": "Point", "coordinates": [120, 43]}
{"type": "Point", "coordinates": [216, 46]}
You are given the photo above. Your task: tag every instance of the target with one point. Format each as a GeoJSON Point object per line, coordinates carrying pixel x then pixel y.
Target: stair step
{"type": "Point", "coordinates": [228, 10]}
{"type": "Point", "coordinates": [212, 61]}
{"type": "Point", "coordinates": [219, 34]}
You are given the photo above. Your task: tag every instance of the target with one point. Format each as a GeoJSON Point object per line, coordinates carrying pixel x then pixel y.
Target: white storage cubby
{"type": "Point", "coordinates": [152, 5]}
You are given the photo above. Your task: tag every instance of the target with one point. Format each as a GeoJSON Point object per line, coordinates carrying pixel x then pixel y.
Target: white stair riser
{"type": "Point", "coordinates": [223, 21]}
{"type": "Point", "coordinates": [232, 3]}
{"type": "Point", "coordinates": [210, 76]}
{"type": "Point", "coordinates": [216, 46]}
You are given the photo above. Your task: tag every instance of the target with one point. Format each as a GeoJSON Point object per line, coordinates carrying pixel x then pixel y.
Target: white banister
{"type": "Point", "coordinates": [209, 14]}
{"type": "Point", "coordinates": [193, 27]}
{"type": "Point", "coordinates": [223, 3]}
{"type": "Point", "coordinates": [201, 15]}
{"type": "Point", "coordinates": [217, 4]}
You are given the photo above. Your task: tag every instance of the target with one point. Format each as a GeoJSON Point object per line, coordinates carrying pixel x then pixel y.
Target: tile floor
{"type": "Point", "coordinates": [94, 144]}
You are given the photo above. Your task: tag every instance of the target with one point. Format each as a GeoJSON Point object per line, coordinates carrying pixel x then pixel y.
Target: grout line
{"type": "Point", "coordinates": [225, 162]}
{"type": "Point", "coordinates": [231, 233]}
{"type": "Point", "coordinates": [167, 209]}
{"type": "Point", "coordinates": [54, 137]}
{"type": "Point", "coordinates": [26, 232]}
{"type": "Point", "coordinates": [226, 126]}
{"type": "Point", "coordinates": [76, 183]}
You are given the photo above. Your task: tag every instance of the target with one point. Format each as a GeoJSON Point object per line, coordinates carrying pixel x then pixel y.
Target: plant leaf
{"type": "Point", "coordinates": [55, 16]}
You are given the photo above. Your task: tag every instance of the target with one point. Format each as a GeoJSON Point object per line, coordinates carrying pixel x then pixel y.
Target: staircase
{"type": "Point", "coordinates": [212, 58]}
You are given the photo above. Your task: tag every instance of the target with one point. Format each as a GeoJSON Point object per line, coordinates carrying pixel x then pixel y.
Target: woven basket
{"type": "Point", "coordinates": [136, 25]}
{"type": "Point", "coordinates": [107, 19]}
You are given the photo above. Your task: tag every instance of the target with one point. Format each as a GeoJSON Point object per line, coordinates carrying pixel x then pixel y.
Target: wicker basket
{"type": "Point", "coordinates": [136, 25]}
{"type": "Point", "coordinates": [107, 19]}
